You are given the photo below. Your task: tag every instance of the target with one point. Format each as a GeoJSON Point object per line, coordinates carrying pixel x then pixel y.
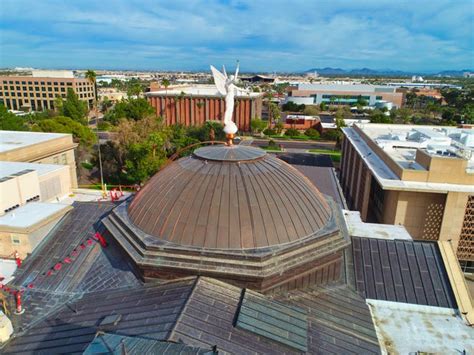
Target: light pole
{"type": "Point", "coordinates": [100, 157]}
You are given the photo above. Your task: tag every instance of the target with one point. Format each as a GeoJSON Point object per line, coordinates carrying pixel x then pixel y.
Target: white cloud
{"type": "Point", "coordinates": [265, 35]}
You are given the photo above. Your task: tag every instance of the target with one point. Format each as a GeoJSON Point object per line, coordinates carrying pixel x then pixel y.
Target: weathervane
{"type": "Point", "coordinates": [226, 87]}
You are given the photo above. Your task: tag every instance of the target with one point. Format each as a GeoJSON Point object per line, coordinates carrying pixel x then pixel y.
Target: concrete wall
{"type": "Point", "coordinates": [27, 241]}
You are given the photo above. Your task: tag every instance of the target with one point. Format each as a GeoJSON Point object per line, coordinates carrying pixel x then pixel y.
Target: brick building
{"type": "Point", "coordinates": [194, 105]}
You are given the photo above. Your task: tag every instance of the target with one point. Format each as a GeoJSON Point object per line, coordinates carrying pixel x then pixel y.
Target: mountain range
{"type": "Point", "coordinates": [383, 72]}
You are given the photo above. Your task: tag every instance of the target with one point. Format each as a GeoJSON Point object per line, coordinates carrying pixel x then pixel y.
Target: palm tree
{"type": "Point", "coordinates": [165, 82]}
{"type": "Point", "coordinates": [92, 76]}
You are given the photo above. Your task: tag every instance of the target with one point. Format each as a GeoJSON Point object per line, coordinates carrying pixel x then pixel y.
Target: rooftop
{"type": "Point", "coordinates": [199, 90]}
{"type": "Point", "coordinates": [401, 271]}
{"type": "Point", "coordinates": [403, 156]}
{"type": "Point", "coordinates": [358, 228]}
{"type": "Point", "coordinates": [11, 140]}
{"type": "Point", "coordinates": [408, 328]}
{"type": "Point", "coordinates": [402, 141]}
{"type": "Point", "coordinates": [8, 168]}
{"type": "Point", "coordinates": [97, 300]}
{"type": "Point", "coordinates": [31, 214]}
{"type": "Point", "coordinates": [345, 87]}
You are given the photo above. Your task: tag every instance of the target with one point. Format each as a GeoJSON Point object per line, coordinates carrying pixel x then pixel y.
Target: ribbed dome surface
{"type": "Point", "coordinates": [227, 204]}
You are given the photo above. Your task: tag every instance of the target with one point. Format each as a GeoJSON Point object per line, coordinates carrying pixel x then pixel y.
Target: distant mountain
{"type": "Point", "coordinates": [383, 72]}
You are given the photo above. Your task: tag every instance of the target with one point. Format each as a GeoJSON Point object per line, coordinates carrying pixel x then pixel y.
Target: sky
{"type": "Point", "coordinates": [292, 35]}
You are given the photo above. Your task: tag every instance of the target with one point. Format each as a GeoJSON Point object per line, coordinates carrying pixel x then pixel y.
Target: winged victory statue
{"type": "Point", "coordinates": [226, 87]}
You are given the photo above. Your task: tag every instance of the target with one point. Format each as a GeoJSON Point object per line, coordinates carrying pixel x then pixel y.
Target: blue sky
{"type": "Point", "coordinates": [276, 35]}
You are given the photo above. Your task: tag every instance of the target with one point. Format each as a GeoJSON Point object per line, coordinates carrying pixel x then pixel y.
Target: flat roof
{"type": "Point", "coordinates": [30, 214]}
{"type": "Point", "coordinates": [199, 90]}
{"type": "Point", "coordinates": [347, 87]}
{"type": "Point", "coordinates": [11, 140]}
{"type": "Point", "coordinates": [358, 228]}
{"type": "Point", "coordinates": [404, 328]}
{"type": "Point", "coordinates": [8, 168]}
{"type": "Point", "coordinates": [386, 177]}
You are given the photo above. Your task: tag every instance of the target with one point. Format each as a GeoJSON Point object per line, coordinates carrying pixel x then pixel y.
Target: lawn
{"type": "Point", "coordinates": [334, 154]}
{"type": "Point", "coordinates": [271, 148]}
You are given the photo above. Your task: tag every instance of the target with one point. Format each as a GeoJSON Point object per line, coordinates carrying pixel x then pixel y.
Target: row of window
{"type": "Point", "coordinates": [62, 83]}
{"type": "Point", "coordinates": [19, 94]}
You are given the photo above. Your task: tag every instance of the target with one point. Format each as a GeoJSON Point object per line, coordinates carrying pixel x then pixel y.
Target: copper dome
{"type": "Point", "coordinates": [229, 198]}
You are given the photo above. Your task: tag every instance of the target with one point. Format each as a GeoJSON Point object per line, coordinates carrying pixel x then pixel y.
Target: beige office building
{"type": "Point", "coordinates": [37, 170]}
{"type": "Point", "coordinates": [421, 177]}
{"type": "Point", "coordinates": [39, 91]}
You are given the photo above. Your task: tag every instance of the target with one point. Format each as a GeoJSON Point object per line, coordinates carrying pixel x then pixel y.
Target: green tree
{"type": "Point", "coordinates": [62, 124]}
{"type": "Point", "coordinates": [378, 116]}
{"type": "Point", "coordinates": [74, 108]}
{"type": "Point", "coordinates": [11, 122]}
{"type": "Point", "coordinates": [312, 133]}
{"type": "Point", "coordinates": [257, 125]}
{"type": "Point", "coordinates": [279, 127]}
{"type": "Point", "coordinates": [311, 110]}
{"type": "Point", "coordinates": [133, 109]}
{"type": "Point", "coordinates": [274, 112]}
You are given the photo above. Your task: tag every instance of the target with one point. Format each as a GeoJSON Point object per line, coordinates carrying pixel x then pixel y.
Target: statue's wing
{"type": "Point", "coordinates": [219, 80]}
{"type": "Point", "coordinates": [237, 71]}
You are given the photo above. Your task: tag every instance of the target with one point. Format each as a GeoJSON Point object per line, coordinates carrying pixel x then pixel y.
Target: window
{"type": "Point", "coordinates": [16, 239]}
{"type": "Point", "coordinates": [43, 88]}
{"type": "Point", "coordinates": [23, 82]}
{"type": "Point", "coordinates": [29, 82]}
{"type": "Point", "coordinates": [378, 97]}
{"type": "Point", "coordinates": [18, 87]}
{"type": "Point", "coordinates": [49, 83]}
{"type": "Point", "coordinates": [42, 83]}
{"type": "Point", "coordinates": [50, 89]}
{"type": "Point", "coordinates": [30, 88]}
{"type": "Point", "coordinates": [50, 95]}
{"type": "Point", "coordinates": [44, 95]}
{"type": "Point", "coordinates": [37, 88]}
{"type": "Point", "coordinates": [56, 89]}
{"type": "Point", "coordinates": [56, 160]}
{"type": "Point", "coordinates": [63, 90]}
{"type": "Point", "coordinates": [63, 158]}
{"type": "Point", "coordinates": [17, 82]}
{"type": "Point", "coordinates": [24, 88]}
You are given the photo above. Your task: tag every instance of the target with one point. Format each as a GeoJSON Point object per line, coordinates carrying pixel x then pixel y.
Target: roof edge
{"type": "Point", "coordinates": [457, 281]}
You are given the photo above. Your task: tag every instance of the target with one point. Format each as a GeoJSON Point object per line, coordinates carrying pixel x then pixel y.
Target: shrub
{"type": "Point", "coordinates": [291, 132]}
{"type": "Point", "coordinates": [269, 132]}
{"type": "Point", "coordinates": [332, 135]}
{"type": "Point", "coordinates": [312, 133]}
